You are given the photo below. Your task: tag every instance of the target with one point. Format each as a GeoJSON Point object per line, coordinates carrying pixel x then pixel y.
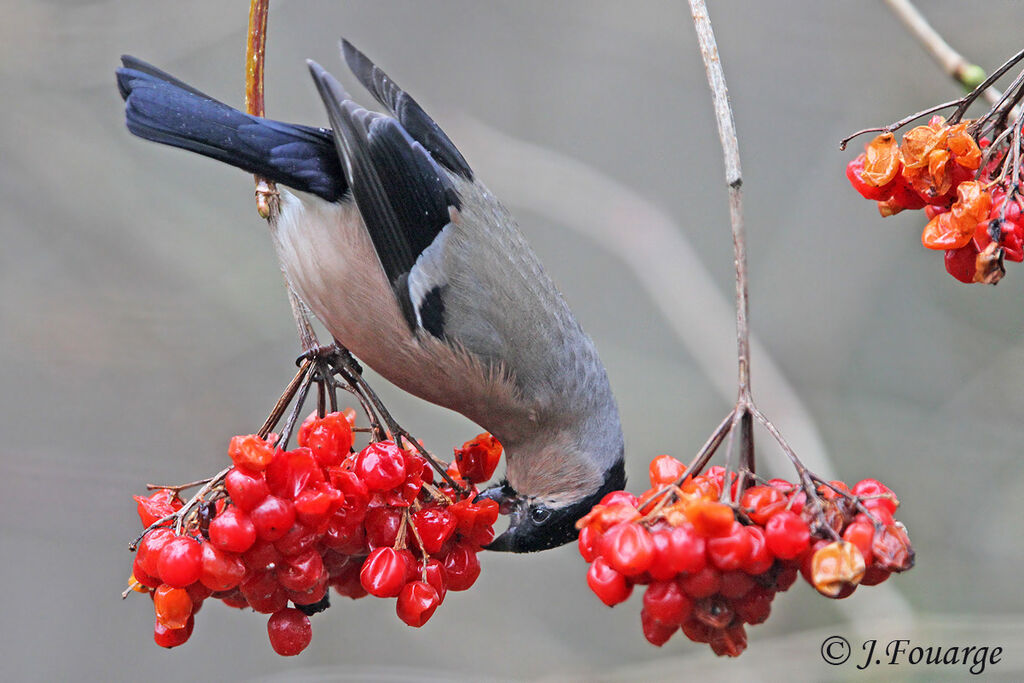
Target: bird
{"type": "Point", "coordinates": [411, 264]}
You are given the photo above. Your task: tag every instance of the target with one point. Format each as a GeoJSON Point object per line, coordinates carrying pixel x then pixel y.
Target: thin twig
{"type": "Point", "coordinates": [953, 64]}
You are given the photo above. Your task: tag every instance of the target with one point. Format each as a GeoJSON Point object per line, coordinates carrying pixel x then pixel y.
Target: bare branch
{"type": "Point", "coordinates": [953, 64]}
{"type": "Point", "coordinates": [734, 179]}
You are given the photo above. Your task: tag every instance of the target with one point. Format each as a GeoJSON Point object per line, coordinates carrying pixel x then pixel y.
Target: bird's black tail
{"type": "Point", "coordinates": [161, 108]}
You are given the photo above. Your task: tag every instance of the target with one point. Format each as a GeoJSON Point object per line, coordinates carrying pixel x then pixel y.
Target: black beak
{"type": "Point", "coordinates": [502, 494]}
{"type": "Point", "coordinates": [505, 543]}
{"type": "Point", "coordinates": [506, 498]}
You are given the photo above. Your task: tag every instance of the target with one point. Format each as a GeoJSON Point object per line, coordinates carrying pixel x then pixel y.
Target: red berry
{"type": "Point", "coordinates": [263, 592]}
{"type": "Point", "coordinates": [180, 563]}
{"type": "Point", "coordinates": [731, 551]}
{"type": "Point", "coordinates": [736, 584]}
{"type": "Point", "coordinates": [787, 535]}
{"type": "Point", "coordinates": [880, 494]}
{"type": "Point", "coordinates": [462, 567]}
{"type": "Point", "coordinates": [755, 606]}
{"type": "Point", "coordinates": [665, 470]}
{"type": "Point", "coordinates": [347, 583]}
{"type": "Point", "coordinates": [302, 572]}
{"type": "Point", "coordinates": [250, 452]}
{"type": "Point", "coordinates": [628, 548]}
{"type": "Point", "coordinates": [232, 530]}
{"type": "Point", "coordinates": [142, 576]}
{"type": "Point", "coordinates": [687, 549]}
{"type": "Point", "coordinates": [666, 602]}
{"type": "Point", "coordinates": [761, 502]}
{"type": "Point", "coordinates": [702, 584]}
{"type": "Point", "coordinates": [299, 539]}
{"type": "Point", "coordinates": [874, 575]}
{"type": "Point", "coordinates": [385, 571]}
{"type": "Point", "coordinates": [760, 559]}
{"type": "Point", "coordinates": [416, 603]}
{"type": "Point", "coordinates": [437, 577]}
{"type": "Point", "coordinates": [710, 519]}
{"type": "Point", "coordinates": [292, 471]}
{"type": "Point", "coordinates": [589, 541]}
{"type": "Point", "coordinates": [273, 518]}
{"type": "Point", "coordinates": [729, 642]}
{"type": "Point", "coordinates": [609, 585]}
{"type": "Point", "coordinates": [290, 632]}
{"type": "Point", "coordinates": [221, 570]}
{"type": "Point", "coordinates": [148, 553]}
{"type": "Point", "coordinates": [166, 637]}
{"type": "Point", "coordinates": [617, 497]}
{"type": "Point", "coordinates": [344, 538]}
{"type": "Point", "coordinates": [854, 172]}
{"type": "Point", "coordinates": [381, 466]}
{"type": "Point", "coordinates": [173, 606]}
{"type": "Point", "coordinates": [478, 458]}
{"type": "Point", "coordinates": [698, 631]}
{"type": "Point", "coordinates": [156, 506]}
{"type": "Point", "coordinates": [329, 438]}
{"type": "Point", "coordinates": [317, 502]}
{"type": "Point", "coordinates": [861, 534]}
{"type": "Point", "coordinates": [656, 632]}
{"type": "Point", "coordinates": [247, 490]}
{"type": "Point", "coordinates": [382, 523]}
{"type": "Point", "coordinates": [435, 526]}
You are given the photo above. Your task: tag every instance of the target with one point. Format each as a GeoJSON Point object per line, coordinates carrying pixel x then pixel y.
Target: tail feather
{"type": "Point", "coordinates": [160, 108]}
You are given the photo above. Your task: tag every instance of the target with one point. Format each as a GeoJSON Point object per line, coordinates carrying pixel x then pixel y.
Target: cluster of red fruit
{"type": "Point", "coordinates": [710, 567]}
{"type": "Point", "coordinates": [285, 525]}
{"type": "Point", "coordinates": [939, 168]}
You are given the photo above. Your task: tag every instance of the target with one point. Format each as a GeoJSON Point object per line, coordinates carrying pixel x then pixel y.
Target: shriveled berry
{"type": "Point", "coordinates": [173, 606]}
{"type": "Point", "coordinates": [167, 637]}
{"type": "Point", "coordinates": [462, 567]}
{"type": "Point", "coordinates": [250, 452]}
{"type": "Point", "coordinates": [381, 466]}
{"type": "Point", "coordinates": [478, 458]}
{"type": "Point", "coordinates": [385, 571]}
{"type": "Point", "coordinates": [416, 603]}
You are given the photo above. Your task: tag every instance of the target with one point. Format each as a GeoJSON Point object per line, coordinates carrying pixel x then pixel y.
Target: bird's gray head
{"type": "Point", "coordinates": [541, 519]}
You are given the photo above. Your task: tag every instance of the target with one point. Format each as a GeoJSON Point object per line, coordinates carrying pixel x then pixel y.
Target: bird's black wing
{"type": "Point", "coordinates": [163, 109]}
{"type": "Point", "coordinates": [402, 193]}
{"type": "Point", "coordinates": [414, 120]}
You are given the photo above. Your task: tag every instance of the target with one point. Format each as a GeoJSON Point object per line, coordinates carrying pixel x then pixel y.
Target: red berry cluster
{"type": "Point", "coordinates": [945, 171]}
{"type": "Point", "coordinates": [711, 568]}
{"type": "Point", "coordinates": [283, 526]}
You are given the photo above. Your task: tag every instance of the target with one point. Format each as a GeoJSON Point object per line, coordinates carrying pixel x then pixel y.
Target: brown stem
{"type": "Point", "coordinates": [286, 398]}
{"type": "Point", "coordinates": [177, 488]}
{"type": "Point", "coordinates": [695, 466]}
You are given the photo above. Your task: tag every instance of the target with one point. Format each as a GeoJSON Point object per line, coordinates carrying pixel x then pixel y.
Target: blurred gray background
{"type": "Point", "coordinates": [143, 320]}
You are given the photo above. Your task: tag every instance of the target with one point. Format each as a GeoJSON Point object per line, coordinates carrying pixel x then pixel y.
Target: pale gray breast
{"type": "Point", "coordinates": [500, 304]}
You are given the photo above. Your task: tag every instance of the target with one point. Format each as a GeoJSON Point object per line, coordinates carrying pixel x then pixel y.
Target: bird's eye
{"type": "Point", "coordinates": [540, 515]}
